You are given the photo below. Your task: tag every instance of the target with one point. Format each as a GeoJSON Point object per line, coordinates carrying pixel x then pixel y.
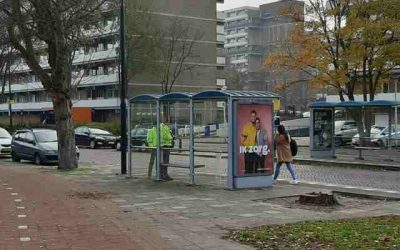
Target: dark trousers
{"type": "Point", "coordinates": [260, 164]}
{"type": "Point", "coordinates": [249, 163]}
{"type": "Point", "coordinates": [164, 169]}
{"type": "Point", "coordinates": [151, 162]}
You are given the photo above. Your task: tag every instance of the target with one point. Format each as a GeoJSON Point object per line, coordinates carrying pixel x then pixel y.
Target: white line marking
{"type": "Point", "coordinates": [25, 239]}
{"type": "Point", "coordinates": [20, 207]}
{"type": "Point", "coordinates": [5, 184]}
{"type": "Point", "coordinates": [23, 227]}
{"type": "Point", "coordinates": [18, 200]}
{"type": "Point", "coordinates": [9, 188]}
{"type": "Point", "coordinates": [22, 216]}
{"type": "Point", "coordinates": [141, 204]}
{"type": "Point", "coordinates": [178, 207]}
{"type": "Point", "coordinates": [14, 194]}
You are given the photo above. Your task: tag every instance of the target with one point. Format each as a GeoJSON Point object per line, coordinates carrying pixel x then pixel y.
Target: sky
{"type": "Point", "coordinates": [229, 4]}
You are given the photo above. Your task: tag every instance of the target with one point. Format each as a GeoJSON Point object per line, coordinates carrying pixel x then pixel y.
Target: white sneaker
{"type": "Point", "coordinates": [275, 182]}
{"type": "Point", "coordinates": [294, 182]}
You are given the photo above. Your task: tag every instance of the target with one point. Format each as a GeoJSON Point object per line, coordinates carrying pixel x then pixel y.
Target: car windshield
{"type": "Point", "coordinates": [46, 136]}
{"type": "Point", "coordinates": [378, 127]}
{"type": "Point", "coordinates": [4, 134]}
{"type": "Point", "coordinates": [99, 131]}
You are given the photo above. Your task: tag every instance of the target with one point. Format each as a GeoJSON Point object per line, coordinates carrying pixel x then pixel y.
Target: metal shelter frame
{"type": "Point", "coordinates": [228, 96]}
{"type": "Point", "coordinates": [363, 106]}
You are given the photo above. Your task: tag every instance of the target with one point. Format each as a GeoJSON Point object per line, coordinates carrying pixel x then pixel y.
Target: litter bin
{"type": "Point", "coordinates": [207, 131]}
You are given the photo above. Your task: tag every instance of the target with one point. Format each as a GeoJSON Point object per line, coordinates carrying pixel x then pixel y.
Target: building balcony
{"type": "Point", "coordinates": [112, 103]}
{"type": "Point", "coordinates": [252, 23]}
{"type": "Point", "coordinates": [99, 80]}
{"type": "Point", "coordinates": [236, 35]}
{"type": "Point", "coordinates": [251, 49]}
{"type": "Point", "coordinates": [236, 44]}
{"type": "Point", "coordinates": [221, 61]}
{"type": "Point", "coordinates": [240, 61]}
{"type": "Point", "coordinates": [105, 55]}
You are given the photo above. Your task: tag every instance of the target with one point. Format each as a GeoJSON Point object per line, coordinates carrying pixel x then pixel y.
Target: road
{"type": "Point", "coordinates": [326, 175]}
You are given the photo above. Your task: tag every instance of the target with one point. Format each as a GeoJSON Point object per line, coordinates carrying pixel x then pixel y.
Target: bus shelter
{"type": "Point", "coordinates": [249, 149]}
{"type": "Point", "coordinates": [328, 130]}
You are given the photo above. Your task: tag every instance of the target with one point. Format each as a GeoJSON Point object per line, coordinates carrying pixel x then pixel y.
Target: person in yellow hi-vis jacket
{"type": "Point", "coordinates": [166, 141]}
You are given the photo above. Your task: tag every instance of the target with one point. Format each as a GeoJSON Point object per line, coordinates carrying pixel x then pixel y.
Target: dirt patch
{"type": "Point", "coordinates": [343, 203]}
{"type": "Point", "coordinates": [90, 195]}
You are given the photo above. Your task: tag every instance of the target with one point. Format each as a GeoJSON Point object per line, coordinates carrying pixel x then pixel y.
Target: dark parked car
{"type": "Point", "coordinates": [94, 138]}
{"type": "Point", "coordinates": [38, 145]}
{"type": "Point", "coordinates": [138, 138]}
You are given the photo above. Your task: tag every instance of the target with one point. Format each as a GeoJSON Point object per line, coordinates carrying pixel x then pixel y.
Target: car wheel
{"type": "Point", "coordinates": [144, 146]}
{"type": "Point", "coordinates": [380, 144]}
{"type": "Point", "coordinates": [92, 144]}
{"type": "Point", "coordinates": [14, 157]}
{"type": "Point", "coordinates": [118, 146]}
{"type": "Point", "coordinates": [38, 160]}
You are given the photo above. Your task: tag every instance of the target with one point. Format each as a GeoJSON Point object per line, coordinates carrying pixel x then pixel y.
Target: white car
{"type": "Point", "coordinates": [380, 136]}
{"type": "Point", "coordinates": [306, 114]}
{"type": "Point", "coordinates": [344, 131]}
{"type": "Point", "coordinates": [5, 142]}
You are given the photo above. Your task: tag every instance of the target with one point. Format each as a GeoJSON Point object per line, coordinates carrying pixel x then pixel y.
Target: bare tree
{"type": "Point", "coordinates": [55, 28]}
{"type": "Point", "coordinates": [142, 37]}
{"type": "Point", "coordinates": [175, 47]}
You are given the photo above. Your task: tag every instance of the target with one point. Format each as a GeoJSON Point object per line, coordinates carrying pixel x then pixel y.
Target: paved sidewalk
{"type": "Point", "coordinates": [323, 175]}
{"type": "Point", "coordinates": [146, 214]}
{"type": "Point", "coordinates": [38, 211]}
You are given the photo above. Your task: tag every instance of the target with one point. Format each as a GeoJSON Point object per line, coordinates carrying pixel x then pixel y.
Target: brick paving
{"type": "Point", "coordinates": [38, 212]}
{"type": "Point", "coordinates": [143, 214]}
{"type": "Point", "coordinates": [335, 175]}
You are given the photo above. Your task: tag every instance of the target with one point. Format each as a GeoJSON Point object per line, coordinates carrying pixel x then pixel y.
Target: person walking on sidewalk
{"type": "Point", "coordinates": [282, 140]}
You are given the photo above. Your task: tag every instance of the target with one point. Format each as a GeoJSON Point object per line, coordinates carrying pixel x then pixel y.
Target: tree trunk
{"type": "Point", "coordinates": [65, 132]}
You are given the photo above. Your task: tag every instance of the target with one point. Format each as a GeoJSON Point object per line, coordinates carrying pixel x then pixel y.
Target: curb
{"type": "Point", "coordinates": [371, 193]}
{"type": "Point", "coordinates": [322, 162]}
{"type": "Point", "coordinates": [362, 165]}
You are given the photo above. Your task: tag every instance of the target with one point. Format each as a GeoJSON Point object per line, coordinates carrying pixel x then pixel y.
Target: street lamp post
{"type": "Point", "coordinates": [123, 89]}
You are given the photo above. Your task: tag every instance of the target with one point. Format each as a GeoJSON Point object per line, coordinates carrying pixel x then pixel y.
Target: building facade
{"type": "Point", "coordinates": [96, 68]}
{"type": "Point", "coordinates": [251, 35]}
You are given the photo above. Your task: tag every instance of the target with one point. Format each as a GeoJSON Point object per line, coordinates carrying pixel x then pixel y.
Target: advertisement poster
{"type": "Point", "coordinates": [255, 139]}
{"type": "Point", "coordinates": [323, 122]}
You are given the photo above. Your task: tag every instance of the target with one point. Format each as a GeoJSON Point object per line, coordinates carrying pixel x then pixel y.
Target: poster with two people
{"type": "Point", "coordinates": [255, 151]}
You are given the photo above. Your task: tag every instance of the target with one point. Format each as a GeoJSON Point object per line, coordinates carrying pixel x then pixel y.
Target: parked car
{"type": "Point", "coordinates": [306, 114]}
{"type": "Point", "coordinates": [138, 138]}
{"type": "Point", "coordinates": [37, 145]}
{"type": "Point", "coordinates": [94, 138]}
{"type": "Point", "coordinates": [5, 142]}
{"type": "Point", "coordinates": [378, 134]}
{"type": "Point", "coordinates": [344, 131]}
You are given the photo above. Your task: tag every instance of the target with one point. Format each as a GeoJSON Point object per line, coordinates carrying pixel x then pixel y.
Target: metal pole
{"type": "Point", "coordinates": [129, 142]}
{"type": "Point", "coordinates": [395, 112]}
{"type": "Point", "coordinates": [158, 158]}
{"type": "Point", "coordinates": [123, 87]}
{"type": "Point", "coordinates": [191, 147]}
{"type": "Point", "coordinates": [10, 94]}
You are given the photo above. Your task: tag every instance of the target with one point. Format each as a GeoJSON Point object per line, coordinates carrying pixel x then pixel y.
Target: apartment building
{"type": "Point", "coordinates": [96, 68]}
{"type": "Point", "coordinates": [251, 35]}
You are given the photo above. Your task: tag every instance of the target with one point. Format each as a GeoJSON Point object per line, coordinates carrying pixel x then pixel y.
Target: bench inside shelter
{"type": "Point", "coordinates": [181, 165]}
{"type": "Point", "coordinates": [360, 149]}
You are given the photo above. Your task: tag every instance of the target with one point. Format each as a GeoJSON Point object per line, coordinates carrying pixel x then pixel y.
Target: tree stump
{"type": "Point", "coordinates": [320, 199]}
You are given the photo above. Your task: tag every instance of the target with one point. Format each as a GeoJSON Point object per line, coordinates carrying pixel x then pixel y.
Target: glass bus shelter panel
{"type": "Point", "coordinates": [143, 116]}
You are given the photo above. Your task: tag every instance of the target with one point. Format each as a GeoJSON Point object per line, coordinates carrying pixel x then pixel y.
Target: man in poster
{"type": "Point", "coordinates": [248, 140]}
{"type": "Point", "coordinates": [261, 141]}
